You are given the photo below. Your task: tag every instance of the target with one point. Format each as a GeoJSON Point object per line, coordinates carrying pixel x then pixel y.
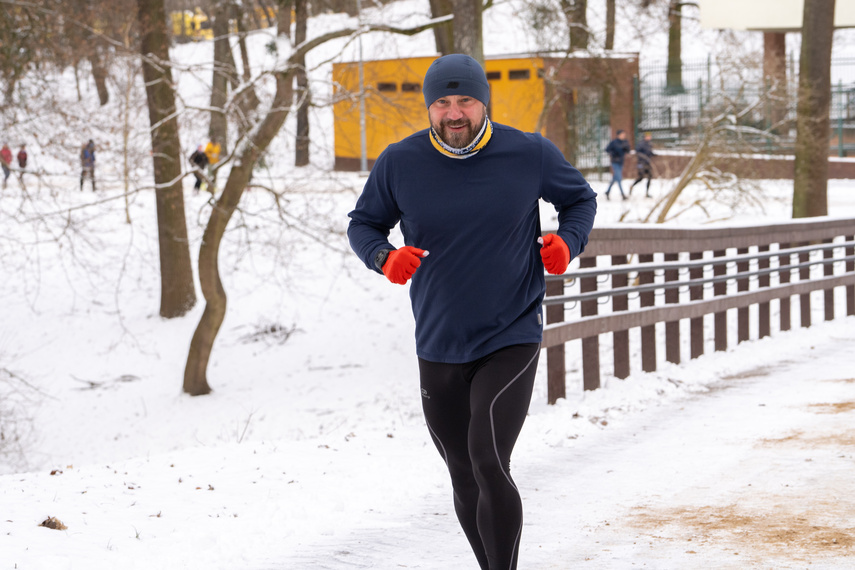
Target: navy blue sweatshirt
{"type": "Point", "coordinates": [618, 149]}
{"type": "Point", "coordinates": [482, 285]}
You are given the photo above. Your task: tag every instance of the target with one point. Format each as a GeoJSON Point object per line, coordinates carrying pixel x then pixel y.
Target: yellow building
{"type": "Point", "coordinates": [395, 107]}
{"type": "Point", "coordinates": [193, 25]}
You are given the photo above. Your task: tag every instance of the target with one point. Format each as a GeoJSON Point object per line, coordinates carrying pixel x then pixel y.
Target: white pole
{"type": "Point", "coordinates": [363, 161]}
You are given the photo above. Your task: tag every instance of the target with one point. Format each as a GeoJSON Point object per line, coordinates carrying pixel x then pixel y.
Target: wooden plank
{"type": "Point", "coordinates": [591, 344]}
{"type": "Point", "coordinates": [672, 328]}
{"type": "Point", "coordinates": [786, 302]}
{"type": "Point", "coordinates": [850, 291]}
{"type": "Point", "coordinates": [620, 338]}
{"type": "Point", "coordinates": [720, 317]}
{"type": "Point", "coordinates": [828, 296]}
{"type": "Point", "coordinates": [556, 373]}
{"type": "Point", "coordinates": [589, 326]}
{"type": "Point", "coordinates": [742, 333]}
{"type": "Point", "coordinates": [648, 332]}
{"type": "Point", "coordinates": [617, 240]}
{"type": "Point", "coordinates": [764, 313]}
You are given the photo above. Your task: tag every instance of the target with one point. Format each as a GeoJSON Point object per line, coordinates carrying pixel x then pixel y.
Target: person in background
{"type": "Point", "coordinates": [87, 163]}
{"type": "Point", "coordinates": [22, 157]}
{"type": "Point", "coordinates": [5, 162]}
{"type": "Point", "coordinates": [618, 148]}
{"type": "Point", "coordinates": [212, 151]}
{"type": "Point", "coordinates": [644, 155]}
{"type": "Point", "coordinates": [467, 190]}
{"type": "Point", "coordinates": [200, 160]}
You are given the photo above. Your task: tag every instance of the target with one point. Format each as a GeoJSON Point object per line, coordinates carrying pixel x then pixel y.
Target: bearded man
{"type": "Point", "coordinates": [467, 191]}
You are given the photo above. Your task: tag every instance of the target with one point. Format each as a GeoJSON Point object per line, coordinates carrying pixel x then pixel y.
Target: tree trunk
{"type": "Point", "coordinates": [468, 37]}
{"type": "Point", "coordinates": [610, 24]}
{"type": "Point", "coordinates": [249, 100]}
{"type": "Point", "coordinates": [195, 372]}
{"type": "Point", "coordinates": [443, 34]}
{"type": "Point", "coordinates": [303, 94]}
{"type": "Point", "coordinates": [810, 186]}
{"type": "Point", "coordinates": [674, 73]}
{"type": "Point", "coordinates": [775, 76]}
{"type": "Point", "coordinates": [576, 14]}
{"type": "Point", "coordinates": [178, 294]}
{"type": "Point", "coordinates": [283, 17]}
{"type": "Point", "coordinates": [99, 74]}
{"type": "Point", "coordinates": [223, 69]}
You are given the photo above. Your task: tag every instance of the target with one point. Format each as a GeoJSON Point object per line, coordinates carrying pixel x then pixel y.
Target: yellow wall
{"type": "Point", "coordinates": [395, 108]}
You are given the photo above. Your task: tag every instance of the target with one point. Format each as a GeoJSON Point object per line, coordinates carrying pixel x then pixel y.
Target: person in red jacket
{"type": "Point", "coordinates": [5, 162]}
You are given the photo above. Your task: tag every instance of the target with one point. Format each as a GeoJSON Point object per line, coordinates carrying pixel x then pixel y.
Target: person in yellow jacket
{"type": "Point", "coordinates": [212, 151]}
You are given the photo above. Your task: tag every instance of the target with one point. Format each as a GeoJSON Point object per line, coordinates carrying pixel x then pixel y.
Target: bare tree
{"type": "Point", "coordinates": [303, 92]}
{"type": "Point", "coordinates": [443, 34]}
{"type": "Point", "coordinates": [810, 186]}
{"type": "Point", "coordinates": [576, 14]}
{"type": "Point", "coordinates": [222, 71]}
{"type": "Point", "coordinates": [178, 294]}
{"type": "Point", "coordinates": [725, 138]}
{"type": "Point", "coordinates": [468, 33]}
{"type": "Point", "coordinates": [246, 154]}
{"type": "Point", "coordinates": [283, 17]}
{"type": "Point", "coordinates": [610, 25]}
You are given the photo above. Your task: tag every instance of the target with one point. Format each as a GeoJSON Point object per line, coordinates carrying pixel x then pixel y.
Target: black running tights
{"type": "Point", "coordinates": [475, 412]}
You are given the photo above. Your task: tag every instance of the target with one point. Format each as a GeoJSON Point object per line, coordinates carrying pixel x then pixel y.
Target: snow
{"type": "Point", "coordinates": [311, 452]}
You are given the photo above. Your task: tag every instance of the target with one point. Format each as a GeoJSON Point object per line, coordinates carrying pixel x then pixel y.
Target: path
{"type": "Point", "coordinates": [756, 473]}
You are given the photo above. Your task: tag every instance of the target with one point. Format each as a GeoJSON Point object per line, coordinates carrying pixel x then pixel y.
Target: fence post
{"type": "Point", "coordinates": [827, 271]}
{"type": "Point", "coordinates": [555, 363]}
{"type": "Point", "coordinates": [672, 328]}
{"type": "Point", "coordinates": [784, 277]}
{"type": "Point", "coordinates": [804, 299]}
{"type": "Point", "coordinates": [742, 333]}
{"type": "Point", "coordinates": [621, 338]}
{"type": "Point", "coordinates": [590, 345]}
{"type": "Point", "coordinates": [648, 333]}
{"type": "Point", "coordinates": [696, 324]}
{"type": "Point", "coordinates": [850, 290]}
{"type": "Point", "coordinates": [763, 309]}
{"type": "Point", "coordinates": [720, 319]}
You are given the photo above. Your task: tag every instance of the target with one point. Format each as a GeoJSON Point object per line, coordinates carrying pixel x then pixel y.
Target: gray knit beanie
{"type": "Point", "coordinates": [455, 74]}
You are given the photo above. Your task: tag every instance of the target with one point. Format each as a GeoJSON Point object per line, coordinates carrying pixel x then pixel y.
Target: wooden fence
{"type": "Point", "coordinates": [655, 275]}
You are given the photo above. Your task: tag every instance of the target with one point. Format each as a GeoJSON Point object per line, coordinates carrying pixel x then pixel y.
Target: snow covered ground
{"type": "Point", "coordinates": [311, 452]}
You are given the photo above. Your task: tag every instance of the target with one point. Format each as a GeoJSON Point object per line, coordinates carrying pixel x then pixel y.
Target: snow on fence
{"type": "Point", "coordinates": [635, 277]}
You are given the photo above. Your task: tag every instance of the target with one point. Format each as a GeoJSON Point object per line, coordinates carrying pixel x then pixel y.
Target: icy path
{"type": "Point", "coordinates": [756, 473]}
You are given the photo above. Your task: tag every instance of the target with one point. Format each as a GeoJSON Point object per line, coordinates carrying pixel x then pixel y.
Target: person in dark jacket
{"type": "Point", "coordinates": [467, 191]}
{"type": "Point", "coordinates": [200, 160]}
{"type": "Point", "coordinates": [644, 156]}
{"type": "Point", "coordinates": [87, 163]}
{"type": "Point", "coordinates": [618, 148]}
{"type": "Point", "coordinates": [22, 162]}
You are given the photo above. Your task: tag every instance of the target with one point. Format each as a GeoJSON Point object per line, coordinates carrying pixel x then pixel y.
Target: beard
{"type": "Point", "coordinates": [462, 138]}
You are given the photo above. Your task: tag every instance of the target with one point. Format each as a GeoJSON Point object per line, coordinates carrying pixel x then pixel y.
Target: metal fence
{"type": "Point", "coordinates": [673, 113]}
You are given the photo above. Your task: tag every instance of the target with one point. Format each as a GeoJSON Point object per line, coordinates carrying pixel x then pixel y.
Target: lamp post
{"type": "Point", "coordinates": [363, 161]}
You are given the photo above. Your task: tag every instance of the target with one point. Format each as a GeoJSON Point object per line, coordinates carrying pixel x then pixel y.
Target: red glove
{"type": "Point", "coordinates": [555, 254]}
{"type": "Point", "coordinates": [402, 263]}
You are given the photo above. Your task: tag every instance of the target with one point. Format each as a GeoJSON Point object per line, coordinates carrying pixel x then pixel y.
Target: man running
{"type": "Point", "coordinates": [467, 191]}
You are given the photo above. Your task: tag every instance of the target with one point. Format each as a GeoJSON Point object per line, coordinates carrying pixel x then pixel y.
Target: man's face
{"type": "Point", "coordinates": [457, 119]}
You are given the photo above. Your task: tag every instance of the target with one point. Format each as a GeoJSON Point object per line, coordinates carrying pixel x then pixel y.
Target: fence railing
{"type": "Point", "coordinates": [639, 277]}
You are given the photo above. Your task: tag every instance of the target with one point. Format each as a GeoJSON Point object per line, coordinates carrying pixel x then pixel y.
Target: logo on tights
{"type": "Point", "coordinates": [425, 394]}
